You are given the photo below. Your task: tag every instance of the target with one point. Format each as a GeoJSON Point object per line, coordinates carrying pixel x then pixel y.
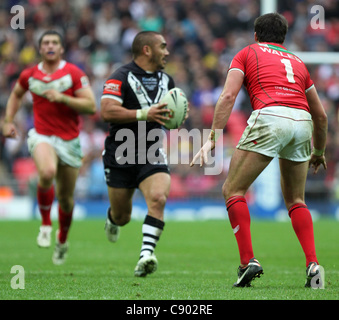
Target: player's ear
{"type": "Point", "coordinates": [147, 50]}
{"type": "Point", "coordinates": [255, 37]}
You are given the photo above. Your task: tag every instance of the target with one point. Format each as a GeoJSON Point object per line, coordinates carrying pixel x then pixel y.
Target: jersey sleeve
{"type": "Point", "coordinates": [239, 61]}
{"type": "Point", "coordinates": [23, 78]}
{"type": "Point", "coordinates": [80, 79]}
{"type": "Point", "coordinates": [114, 87]}
{"type": "Point", "coordinates": [308, 83]}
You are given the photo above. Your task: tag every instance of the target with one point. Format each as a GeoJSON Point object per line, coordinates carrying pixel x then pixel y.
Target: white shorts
{"type": "Point", "coordinates": [279, 132]}
{"type": "Point", "coordinates": [68, 151]}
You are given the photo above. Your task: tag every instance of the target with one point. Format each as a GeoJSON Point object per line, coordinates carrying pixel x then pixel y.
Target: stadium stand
{"type": "Point", "coordinates": [202, 36]}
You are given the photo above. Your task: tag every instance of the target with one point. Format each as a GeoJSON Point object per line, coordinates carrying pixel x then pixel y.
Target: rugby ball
{"type": "Point", "coordinates": [176, 102]}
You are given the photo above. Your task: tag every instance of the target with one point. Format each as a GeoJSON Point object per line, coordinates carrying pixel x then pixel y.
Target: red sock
{"type": "Point", "coordinates": [65, 220]}
{"type": "Point", "coordinates": [303, 227]}
{"type": "Point", "coordinates": [240, 221]}
{"type": "Point", "coordinates": [45, 199]}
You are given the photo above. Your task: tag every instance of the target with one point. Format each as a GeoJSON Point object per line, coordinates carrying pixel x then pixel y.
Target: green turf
{"type": "Point", "coordinates": [197, 261]}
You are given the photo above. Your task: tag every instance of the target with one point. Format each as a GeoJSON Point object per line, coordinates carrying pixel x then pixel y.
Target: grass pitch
{"type": "Point", "coordinates": [198, 260]}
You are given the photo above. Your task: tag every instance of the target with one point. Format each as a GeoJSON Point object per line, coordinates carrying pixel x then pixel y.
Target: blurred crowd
{"type": "Point", "coordinates": [202, 36]}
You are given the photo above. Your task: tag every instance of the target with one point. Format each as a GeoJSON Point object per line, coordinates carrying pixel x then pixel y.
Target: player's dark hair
{"type": "Point", "coordinates": [143, 38]}
{"type": "Point", "coordinates": [51, 32]}
{"type": "Point", "coordinates": [271, 27]}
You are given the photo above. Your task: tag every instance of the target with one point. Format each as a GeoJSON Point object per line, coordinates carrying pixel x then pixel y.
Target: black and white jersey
{"type": "Point", "coordinates": [135, 88]}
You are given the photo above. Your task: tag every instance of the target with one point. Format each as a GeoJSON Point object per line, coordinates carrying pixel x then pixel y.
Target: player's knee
{"type": "Point", "coordinates": [158, 200]}
{"type": "Point", "coordinates": [122, 219]}
{"type": "Point", "coordinates": [47, 174]}
{"type": "Point", "coordinates": [225, 190]}
{"type": "Point", "coordinates": [291, 199]}
{"type": "Point", "coordinates": [292, 203]}
{"type": "Point", "coordinates": [229, 190]}
{"type": "Point", "coordinates": [66, 203]}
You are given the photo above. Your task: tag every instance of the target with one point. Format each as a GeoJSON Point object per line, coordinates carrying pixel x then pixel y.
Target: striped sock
{"type": "Point", "coordinates": [109, 217]}
{"type": "Point", "coordinates": [151, 231]}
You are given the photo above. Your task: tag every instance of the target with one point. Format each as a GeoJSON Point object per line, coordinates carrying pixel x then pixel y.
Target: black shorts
{"type": "Point", "coordinates": [131, 176]}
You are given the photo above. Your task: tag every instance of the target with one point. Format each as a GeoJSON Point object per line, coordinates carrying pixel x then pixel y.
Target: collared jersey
{"type": "Point", "coordinates": [52, 118]}
{"type": "Point", "coordinates": [273, 76]}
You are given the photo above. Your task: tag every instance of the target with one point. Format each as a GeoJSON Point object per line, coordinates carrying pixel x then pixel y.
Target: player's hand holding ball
{"type": "Point", "coordinates": [171, 112]}
{"type": "Point", "coordinates": [158, 113]}
{"type": "Point", "coordinates": [177, 104]}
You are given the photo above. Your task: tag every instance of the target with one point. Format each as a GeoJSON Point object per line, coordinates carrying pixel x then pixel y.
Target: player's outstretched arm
{"type": "Point", "coordinates": [320, 124]}
{"type": "Point", "coordinates": [202, 155]}
{"type": "Point", "coordinates": [13, 105]}
{"type": "Point", "coordinates": [222, 112]}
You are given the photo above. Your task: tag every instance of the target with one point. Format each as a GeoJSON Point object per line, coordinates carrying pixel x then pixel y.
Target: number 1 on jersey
{"type": "Point", "coordinates": [289, 70]}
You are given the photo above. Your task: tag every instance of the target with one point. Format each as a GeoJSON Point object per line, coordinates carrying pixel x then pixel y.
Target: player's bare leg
{"type": "Point", "coordinates": [65, 186]}
{"type": "Point", "coordinates": [242, 171]}
{"type": "Point", "coordinates": [120, 211]}
{"type": "Point", "coordinates": [155, 189]}
{"type": "Point", "coordinates": [241, 175]}
{"type": "Point", "coordinates": [45, 160]}
{"type": "Point", "coordinates": [293, 179]}
{"type": "Point", "coordinates": [65, 182]}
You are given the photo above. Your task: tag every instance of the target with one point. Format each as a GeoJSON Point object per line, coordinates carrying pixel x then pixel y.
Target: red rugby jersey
{"type": "Point", "coordinates": [273, 76]}
{"type": "Point", "coordinates": [51, 118]}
